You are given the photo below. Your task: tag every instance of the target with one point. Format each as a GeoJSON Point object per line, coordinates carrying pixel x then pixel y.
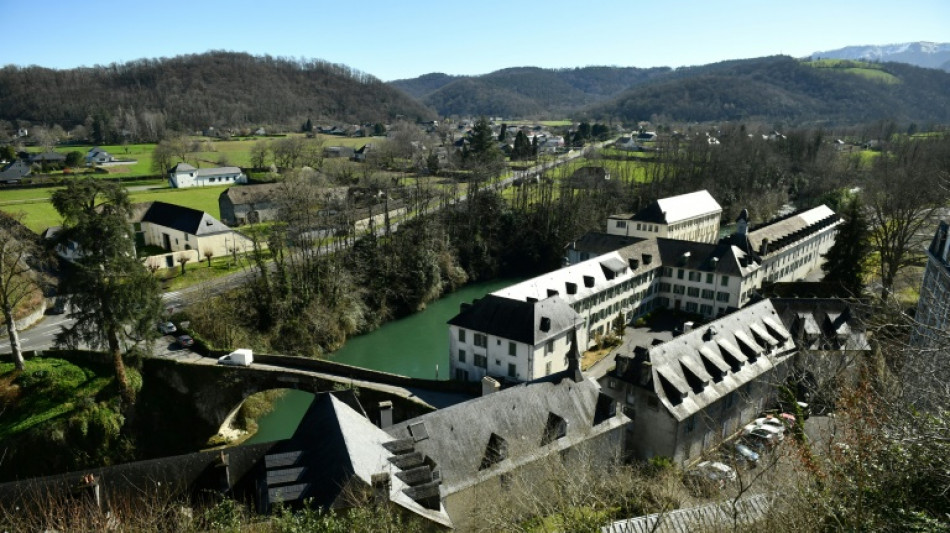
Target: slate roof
{"type": "Point", "coordinates": [723, 257]}
{"type": "Point", "coordinates": [824, 323]}
{"type": "Point", "coordinates": [334, 445]}
{"type": "Point", "coordinates": [596, 243]}
{"type": "Point", "coordinates": [675, 208]}
{"type": "Point", "coordinates": [247, 194]}
{"type": "Point", "coordinates": [456, 438]}
{"type": "Point", "coordinates": [186, 219]}
{"type": "Point", "coordinates": [698, 368]}
{"type": "Point", "coordinates": [15, 171]}
{"type": "Point", "coordinates": [47, 156]}
{"type": "Point", "coordinates": [712, 517]}
{"type": "Point", "coordinates": [182, 167]}
{"type": "Point", "coordinates": [790, 229]}
{"type": "Point", "coordinates": [517, 320]}
{"type": "Point", "coordinates": [216, 171]}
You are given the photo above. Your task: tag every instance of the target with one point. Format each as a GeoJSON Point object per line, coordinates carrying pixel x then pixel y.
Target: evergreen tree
{"type": "Point", "coordinates": [534, 146]}
{"type": "Point", "coordinates": [308, 126]}
{"type": "Point", "coordinates": [846, 261]}
{"type": "Point", "coordinates": [522, 148]}
{"type": "Point", "coordinates": [114, 298]}
{"type": "Point", "coordinates": [503, 134]}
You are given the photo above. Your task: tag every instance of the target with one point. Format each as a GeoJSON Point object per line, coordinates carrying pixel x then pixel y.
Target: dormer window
{"type": "Point", "coordinates": [555, 428]}
{"type": "Point", "coordinates": [495, 452]}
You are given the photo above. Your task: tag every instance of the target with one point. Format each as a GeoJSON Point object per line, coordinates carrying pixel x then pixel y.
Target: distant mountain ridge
{"type": "Point", "coordinates": [194, 92]}
{"type": "Point", "coordinates": [781, 89]}
{"type": "Point", "coordinates": [922, 54]}
{"type": "Point", "coordinates": [523, 91]}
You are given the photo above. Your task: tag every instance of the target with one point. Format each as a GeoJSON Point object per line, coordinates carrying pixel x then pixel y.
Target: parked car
{"type": "Point", "coordinates": [710, 476]}
{"type": "Point", "coordinates": [185, 341]}
{"type": "Point", "coordinates": [167, 328]}
{"type": "Point", "coordinates": [745, 454]}
{"type": "Point", "coordinates": [762, 438]}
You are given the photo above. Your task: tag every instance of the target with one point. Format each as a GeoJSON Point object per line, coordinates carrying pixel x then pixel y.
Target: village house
{"type": "Point", "coordinates": [182, 231]}
{"type": "Point", "coordinates": [98, 156]}
{"type": "Point", "coordinates": [14, 172]}
{"type": "Point", "coordinates": [184, 175]}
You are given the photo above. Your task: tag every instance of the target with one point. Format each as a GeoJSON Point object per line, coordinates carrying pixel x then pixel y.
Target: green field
{"type": "Point", "coordinates": [871, 71]}
{"type": "Point", "coordinates": [39, 214]}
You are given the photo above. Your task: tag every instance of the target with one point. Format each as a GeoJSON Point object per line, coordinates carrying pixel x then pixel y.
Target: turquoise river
{"type": "Point", "coordinates": [416, 346]}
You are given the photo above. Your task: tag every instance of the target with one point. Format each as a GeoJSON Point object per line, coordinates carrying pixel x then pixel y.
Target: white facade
{"type": "Point", "coordinates": [689, 217]}
{"type": "Point", "coordinates": [184, 175]}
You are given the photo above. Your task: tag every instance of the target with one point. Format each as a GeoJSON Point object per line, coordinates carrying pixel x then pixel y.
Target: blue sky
{"type": "Point", "coordinates": [393, 39]}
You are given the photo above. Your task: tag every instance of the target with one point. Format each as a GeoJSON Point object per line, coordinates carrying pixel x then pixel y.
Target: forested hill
{"type": "Point", "coordinates": [196, 91]}
{"type": "Point", "coordinates": [523, 91]}
{"type": "Point", "coordinates": [786, 90]}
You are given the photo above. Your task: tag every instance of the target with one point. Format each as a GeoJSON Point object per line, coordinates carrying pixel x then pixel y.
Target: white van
{"type": "Point", "coordinates": [239, 357]}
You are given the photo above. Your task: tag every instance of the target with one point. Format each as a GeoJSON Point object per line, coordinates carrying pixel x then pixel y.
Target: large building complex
{"type": "Point", "coordinates": [523, 332]}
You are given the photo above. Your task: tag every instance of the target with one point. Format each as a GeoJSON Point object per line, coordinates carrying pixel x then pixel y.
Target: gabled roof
{"type": "Point", "coordinates": [720, 258]}
{"type": "Point", "coordinates": [182, 167]}
{"type": "Point", "coordinates": [824, 323]}
{"type": "Point", "coordinates": [596, 243]}
{"type": "Point", "coordinates": [216, 171]}
{"type": "Point", "coordinates": [702, 366]}
{"type": "Point", "coordinates": [339, 447]}
{"type": "Point", "coordinates": [518, 320]}
{"type": "Point", "coordinates": [790, 229]}
{"type": "Point", "coordinates": [676, 208]}
{"type": "Point", "coordinates": [458, 436]}
{"type": "Point", "coordinates": [186, 219]}
{"type": "Point", "coordinates": [246, 194]}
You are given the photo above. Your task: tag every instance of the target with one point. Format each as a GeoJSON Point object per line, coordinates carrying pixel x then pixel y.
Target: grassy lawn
{"type": "Point", "coordinates": [49, 388]}
{"type": "Point", "coordinates": [199, 272]}
{"type": "Point", "coordinates": [39, 214]}
{"type": "Point", "coordinates": [864, 69]}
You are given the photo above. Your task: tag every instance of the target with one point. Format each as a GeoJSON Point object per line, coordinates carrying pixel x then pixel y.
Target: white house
{"type": "Point", "coordinates": [692, 217]}
{"type": "Point", "coordinates": [98, 156]}
{"type": "Point", "coordinates": [184, 175]}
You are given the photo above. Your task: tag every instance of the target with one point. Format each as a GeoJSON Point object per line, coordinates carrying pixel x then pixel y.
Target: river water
{"type": "Point", "coordinates": [416, 346]}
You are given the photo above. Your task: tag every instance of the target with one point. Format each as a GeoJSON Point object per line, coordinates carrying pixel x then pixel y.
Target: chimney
{"type": "Point", "coordinates": [489, 385]}
{"type": "Point", "coordinates": [634, 263]}
{"type": "Point", "coordinates": [647, 259]}
{"type": "Point", "coordinates": [764, 247]}
{"type": "Point", "coordinates": [742, 223]}
{"type": "Point", "coordinates": [385, 414]}
{"type": "Point", "coordinates": [574, 359]}
{"type": "Point", "coordinates": [381, 486]}
{"type": "Point", "coordinates": [571, 287]}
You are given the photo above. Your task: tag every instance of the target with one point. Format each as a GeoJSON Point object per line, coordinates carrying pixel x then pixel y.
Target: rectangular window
{"type": "Point", "coordinates": [481, 361]}
{"type": "Point", "coordinates": [481, 340]}
{"type": "Point", "coordinates": [693, 291]}
{"type": "Point", "coordinates": [461, 335]}
{"type": "Point", "coordinates": [679, 273]}
{"type": "Point", "coordinates": [725, 281]}
{"type": "Point", "coordinates": [621, 224]}
{"type": "Point", "coordinates": [547, 368]}
{"type": "Point", "coordinates": [550, 347]}
{"type": "Point", "coordinates": [664, 287]}
{"type": "Point", "coordinates": [512, 349]}
{"type": "Point", "coordinates": [679, 289]}
{"type": "Point", "coordinates": [690, 307]}
{"type": "Point", "coordinates": [461, 356]}
{"type": "Point", "coordinates": [709, 294]}
{"type": "Point", "coordinates": [690, 424]}
{"type": "Point", "coordinates": [722, 296]}
{"type": "Point", "coordinates": [705, 309]}
{"type": "Point", "coordinates": [695, 276]}
{"type": "Point", "coordinates": [512, 372]}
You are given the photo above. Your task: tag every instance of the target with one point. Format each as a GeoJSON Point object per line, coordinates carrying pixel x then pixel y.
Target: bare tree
{"type": "Point", "coordinates": [18, 280]}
